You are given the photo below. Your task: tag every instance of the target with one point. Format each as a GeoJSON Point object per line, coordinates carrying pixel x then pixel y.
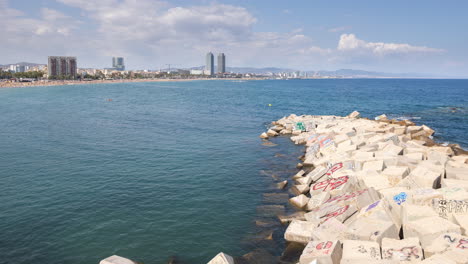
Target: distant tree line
{"type": "Point", "coordinates": [31, 74]}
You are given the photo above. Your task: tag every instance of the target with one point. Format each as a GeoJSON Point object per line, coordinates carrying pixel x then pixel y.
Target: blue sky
{"type": "Point", "coordinates": [392, 36]}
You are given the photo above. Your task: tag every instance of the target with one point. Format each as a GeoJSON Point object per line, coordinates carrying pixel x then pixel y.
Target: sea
{"type": "Point", "coordinates": [158, 170]}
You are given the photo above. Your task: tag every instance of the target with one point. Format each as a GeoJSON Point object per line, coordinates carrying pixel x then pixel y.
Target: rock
{"type": "Point", "coordinates": [264, 135]}
{"type": "Point", "coordinates": [270, 210]}
{"type": "Point", "coordinates": [429, 228]}
{"type": "Point", "coordinates": [458, 256]}
{"type": "Point", "coordinates": [299, 231]}
{"type": "Point", "coordinates": [299, 165]}
{"type": "Point", "coordinates": [292, 252]}
{"type": "Point", "coordinates": [359, 250]}
{"type": "Point", "coordinates": [271, 133]}
{"type": "Point", "coordinates": [405, 250]}
{"type": "Point", "coordinates": [259, 256]}
{"type": "Point", "coordinates": [299, 201]}
{"type": "Point", "coordinates": [428, 131]}
{"type": "Point", "coordinates": [275, 198]}
{"type": "Point", "coordinates": [281, 185]}
{"type": "Point", "coordinates": [425, 177]}
{"type": "Point", "coordinates": [324, 251]}
{"type": "Point", "coordinates": [222, 258]}
{"type": "Point", "coordinates": [334, 186]}
{"type": "Point", "coordinates": [285, 219]}
{"type": "Point", "coordinates": [354, 114]}
{"type": "Point", "coordinates": [326, 212]}
{"type": "Point", "coordinates": [116, 260]}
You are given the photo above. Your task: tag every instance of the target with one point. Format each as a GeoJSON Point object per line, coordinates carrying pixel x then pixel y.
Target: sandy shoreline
{"type": "Point", "coordinates": [73, 82]}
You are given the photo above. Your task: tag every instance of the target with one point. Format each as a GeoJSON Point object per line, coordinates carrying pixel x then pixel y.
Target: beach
{"type": "Point", "coordinates": [9, 84]}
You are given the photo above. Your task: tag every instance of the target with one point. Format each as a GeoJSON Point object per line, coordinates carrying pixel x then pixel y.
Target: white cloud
{"type": "Point", "coordinates": [350, 43]}
{"type": "Point", "coordinates": [150, 33]}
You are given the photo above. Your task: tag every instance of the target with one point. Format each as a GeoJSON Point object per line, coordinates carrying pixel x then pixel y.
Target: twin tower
{"type": "Point", "coordinates": [210, 63]}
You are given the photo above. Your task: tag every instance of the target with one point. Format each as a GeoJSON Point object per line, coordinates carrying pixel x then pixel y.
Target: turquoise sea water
{"type": "Point", "coordinates": [171, 168]}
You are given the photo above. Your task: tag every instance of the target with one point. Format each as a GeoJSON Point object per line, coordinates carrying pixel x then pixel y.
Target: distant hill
{"type": "Point", "coordinates": [30, 64]}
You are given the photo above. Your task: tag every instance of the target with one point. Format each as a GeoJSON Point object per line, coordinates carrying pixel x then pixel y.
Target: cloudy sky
{"type": "Point", "coordinates": [419, 36]}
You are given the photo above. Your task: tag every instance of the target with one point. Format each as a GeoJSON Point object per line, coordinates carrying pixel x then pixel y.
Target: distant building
{"type": "Point", "coordinates": [221, 63]}
{"type": "Point", "coordinates": [18, 68]}
{"type": "Point", "coordinates": [118, 63]}
{"type": "Point", "coordinates": [210, 63]}
{"type": "Point", "coordinates": [62, 66]}
{"type": "Point", "coordinates": [197, 72]}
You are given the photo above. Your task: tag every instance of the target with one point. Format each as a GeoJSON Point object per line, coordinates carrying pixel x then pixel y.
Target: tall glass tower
{"type": "Point", "coordinates": [118, 63]}
{"type": "Point", "coordinates": [210, 63]}
{"type": "Point", "coordinates": [221, 63]}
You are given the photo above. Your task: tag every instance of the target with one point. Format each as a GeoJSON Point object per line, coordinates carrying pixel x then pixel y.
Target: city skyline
{"type": "Point", "coordinates": [395, 36]}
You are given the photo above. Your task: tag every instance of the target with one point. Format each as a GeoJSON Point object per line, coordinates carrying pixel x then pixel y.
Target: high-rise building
{"type": "Point", "coordinates": [118, 63]}
{"type": "Point", "coordinates": [62, 66]}
{"type": "Point", "coordinates": [209, 63]}
{"type": "Point", "coordinates": [221, 63]}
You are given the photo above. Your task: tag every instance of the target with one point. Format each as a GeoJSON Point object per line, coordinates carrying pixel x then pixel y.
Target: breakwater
{"type": "Point", "coordinates": [370, 191]}
{"type": "Point", "coordinates": [373, 191]}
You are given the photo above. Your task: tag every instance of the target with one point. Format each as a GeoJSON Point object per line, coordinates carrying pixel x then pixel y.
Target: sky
{"type": "Point", "coordinates": [418, 36]}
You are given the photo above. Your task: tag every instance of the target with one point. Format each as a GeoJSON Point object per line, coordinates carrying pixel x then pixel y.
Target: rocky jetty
{"type": "Point", "coordinates": [374, 191]}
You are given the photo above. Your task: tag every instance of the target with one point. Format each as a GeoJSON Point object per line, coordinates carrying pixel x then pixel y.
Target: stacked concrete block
{"type": "Point", "coordinates": [117, 260]}
{"type": "Point", "coordinates": [359, 251]}
{"type": "Point", "coordinates": [299, 231]}
{"type": "Point", "coordinates": [323, 251]}
{"type": "Point", "coordinates": [222, 258]}
{"type": "Point", "coordinates": [429, 228]}
{"type": "Point", "coordinates": [405, 250]}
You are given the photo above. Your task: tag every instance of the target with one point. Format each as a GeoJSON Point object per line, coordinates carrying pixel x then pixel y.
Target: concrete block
{"type": "Point", "coordinates": [298, 175]}
{"type": "Point", "coordinates": [459, 256]}
{"type": "Point", "coordinates": [299, 201]}
{"type": "Point", "coordinates": [377, 165]}
{"type": "Point", "coordinates": [316, 200]}
{"type": "Point", "coordinates": [456, 173]}
{"type": "Point", "coordinates": [415, 155]}
{"type": "Point", "coordinates": [411, 212]}
{"type": "Point", "coordinates": [299, 231]}
{"type": "Point", "coordinates": [449, 183]}
{"type": "Point", "coordinates": [354, 114]}
{"type": "Point", "coordinates": [332, 229]}
{"type": "Point", "coordinates": [377, 183]}
{"type": "Point", "coordinates": [429, 228]}
{"type": "Point", "coordinates": [371, 230]}
{"type": "Point", "coordinates": [395, 174]}
{"type": "Point", "coordinates": [272, 133]}
{"type": "Point", "coordinates": [360, 199]}
{"type": "Point", "coordinates": [326, 212]}
{"type": "Point", "coordinates": [300, 189]}
{"type": "Point", "coordinates": [423, 196]}
{"type": "Point", "coordinates": [462, 221]}
{"type": "Point", "coordinates": [323, 251]}
{"type": "Point", "coordinates": [264, 135]}
{"type": "Point", "coordinates": [222, 258]}
{"type": "Point", "coordinates": [438, 259]}
{"type": "Point", "coordinates": [285, 219]}
{"type": "Point", "coordinates": [425, 177]}
{"type": "Point", "coordinates": [360, 250]}
{"type": "Point", "coordinates": [117, 260]}
{"type": "Point", "coordinates": [405, 250]}
{"type": "Point", "coordinates": [317, 173]}
{"type": "Point", "coordinates": [306, 180]}
{"type": "Point", "coordinates": [334, 186]}
{"type": "Point", "coordinates": [446, 242]}
{"type": "Point", "coordinates": [437, 156]}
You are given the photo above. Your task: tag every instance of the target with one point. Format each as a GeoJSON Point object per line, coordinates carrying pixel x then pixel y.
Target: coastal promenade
{"type": "Point", "coordinates": [8, 84]}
